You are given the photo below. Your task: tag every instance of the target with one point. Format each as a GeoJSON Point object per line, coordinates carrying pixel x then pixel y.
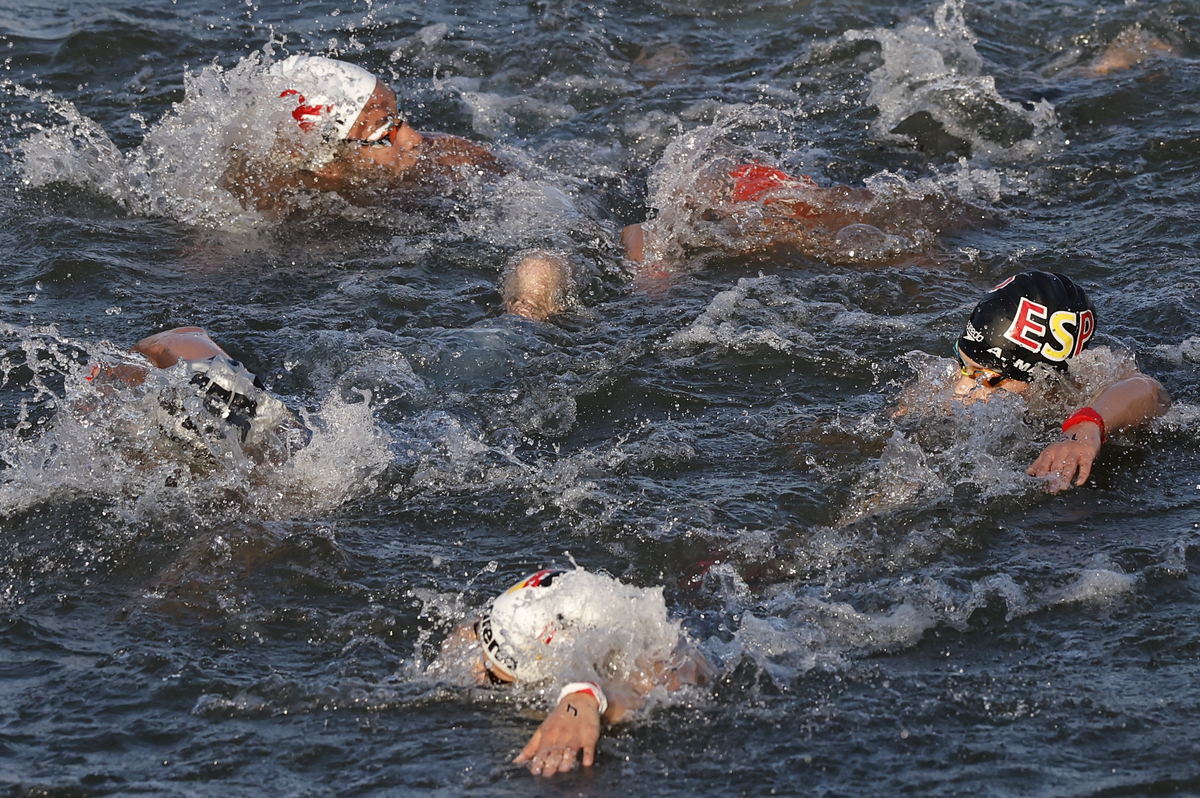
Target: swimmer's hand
{"type": "Point", "coordinates": [1069, 458]}
{"type": "Point", "coordinates": [573, 726]}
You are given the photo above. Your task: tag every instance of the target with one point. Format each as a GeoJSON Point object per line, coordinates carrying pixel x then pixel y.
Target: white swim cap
{"type": "Point", "coordinates": [517, 631]}
{"type": "Point", "coordinates": [325, 87]}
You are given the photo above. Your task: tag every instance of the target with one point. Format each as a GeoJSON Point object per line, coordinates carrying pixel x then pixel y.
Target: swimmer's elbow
{"type": "Point", "coordinates": [1157, 399]}
{"type": "Point", "coordinates": [1154, 402]}
{"type": "Point", "coordinates": [1161, 397]}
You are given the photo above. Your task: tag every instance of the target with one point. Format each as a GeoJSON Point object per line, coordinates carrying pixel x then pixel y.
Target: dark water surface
{"type": "Point", "coordinates": [896, 608]}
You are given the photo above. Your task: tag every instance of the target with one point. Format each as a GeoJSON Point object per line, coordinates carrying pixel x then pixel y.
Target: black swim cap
{"type": "Point", "coordinates": [1032, 318]}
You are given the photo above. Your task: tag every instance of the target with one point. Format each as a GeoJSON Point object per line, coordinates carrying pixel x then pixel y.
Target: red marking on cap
{"type": "Point", "coordinates": [755, 179]}
{"type": "Point", "coordinates": [306, 115]}
{"type": "Point", "coordinates": [1025, 322]}
{"type": "Point", "coordinates": [1002, 285]}
{"type": "Point", "coordinates": [1087, 327]}
{"type": "Point", "coordinates": [536, 579]}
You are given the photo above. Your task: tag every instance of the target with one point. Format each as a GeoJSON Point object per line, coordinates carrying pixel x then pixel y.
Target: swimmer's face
{"type": "Point", "coordinates": [977, 384]}
{"type": "Point", "coordinates": [485, 674]}
{"type": "Point", "coordinates": [380, 146]}
{"type": "Point", "coordinates": [467, 637]}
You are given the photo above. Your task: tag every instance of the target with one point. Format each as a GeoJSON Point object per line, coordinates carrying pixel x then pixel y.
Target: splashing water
{"type": "Point", "coordinates": [606, 629]}
{"type": "Point", "coordinates": [177, 171]}
{"type": "Point", "coordinates": [116, 442]}
{"type": "Point", "coordinates": [935, 72]}
{"type": "Point", "coordinates": [75, 151]}
{"type": "Point", "coordinates": [695, 221]}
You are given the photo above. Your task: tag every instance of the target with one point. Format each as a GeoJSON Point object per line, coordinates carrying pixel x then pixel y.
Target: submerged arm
{"type": "Point", "coordinates": [1125, 405]}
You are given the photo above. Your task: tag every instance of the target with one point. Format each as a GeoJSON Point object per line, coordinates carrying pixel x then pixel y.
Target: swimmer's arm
{"type": "Point", "coordinates": [633, 239]}
{"type": "Point", "coordinates": [573, 727]}
{"type": "Point", "coordinates": [454, 152]}
{"type": "Point", "coordinates": [1126, 405]}
{"type": "Point", "coordinates": [258, 187]}
{"type": "Point", "coordinates": [165, 349]}
{"type": "Point", "coordinates": [1132, 402]}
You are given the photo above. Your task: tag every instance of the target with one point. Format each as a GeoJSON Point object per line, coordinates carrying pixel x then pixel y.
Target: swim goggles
{"type": "Point", "coordinates": [385, 134]}
{"type": "Point", "coordinates": [986, 377]}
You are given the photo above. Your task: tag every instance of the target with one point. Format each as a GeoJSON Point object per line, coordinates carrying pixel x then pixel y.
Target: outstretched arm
{"type": "Point", "coordinates": [1125, 405]}
{"type": "Point", "coordinates": [574, 727]}
{"type": "Point", "coordinates": [163, 350]}
{"type": "Point", "coordinates": [260, 186]}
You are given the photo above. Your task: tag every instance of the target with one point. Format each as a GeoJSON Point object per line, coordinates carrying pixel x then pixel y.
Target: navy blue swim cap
{"type": "Point", "coordinates": [1030, 319]}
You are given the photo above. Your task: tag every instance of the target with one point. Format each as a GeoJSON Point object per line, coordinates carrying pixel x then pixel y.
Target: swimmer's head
{"type": "Point", "coordinates": [1035, 318]}
{"type": "Point", "coordinates": [517, 630]}
{"type": "Point", "coordinates": [325, 91]}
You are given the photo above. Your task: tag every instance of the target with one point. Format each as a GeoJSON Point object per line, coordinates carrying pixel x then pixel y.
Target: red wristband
{"type": "Point", "coordinates": [1087, 414]}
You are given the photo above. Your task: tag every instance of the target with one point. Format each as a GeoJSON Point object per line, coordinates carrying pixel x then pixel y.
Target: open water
{"type": "Point", "coordinates": [896, 609]}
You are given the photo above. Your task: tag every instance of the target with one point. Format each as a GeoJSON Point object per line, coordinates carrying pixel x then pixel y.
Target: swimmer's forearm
{"type": "Point", "coordinates": [1125, 405]}
{"type": "Point", "coordinates": [623, 700]}
{"type": "Point", "coordinates": [634, 241]}
{"type": "Point", "coordinates": [1131, 403]}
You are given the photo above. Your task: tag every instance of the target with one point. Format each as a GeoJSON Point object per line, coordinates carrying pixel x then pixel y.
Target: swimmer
{"type": "Point", "coordinates": [1132, 47]}
{"type": "Point", "coordinates": [1042, 320]}
{"type": "Point", "coordinates": [350, 138]}
{"type": "Point", "coordinates": [368, 154]}
{"type": "Point", "coordinates": [234, 405]}
{"type": "Point", "coordinates": [749, 207]}
{"type": "Point", "coordinates": [539, 285]}
{"type": "Point", "coordinates": [599, 646]}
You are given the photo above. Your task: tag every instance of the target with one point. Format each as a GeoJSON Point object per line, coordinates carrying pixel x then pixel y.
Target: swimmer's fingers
{"type": "Point", "coordinates": [545, 761]}
{"type": "Point", "coordinates": [1065, 462]}
{"type": "Point", "coordinates": [573, 726]}
{"type": "Point", "coordinates": [530, 748]}
{"type": "Point", "coordinates": [548, 761]}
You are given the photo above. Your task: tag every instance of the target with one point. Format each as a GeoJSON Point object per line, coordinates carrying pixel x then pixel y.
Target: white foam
{"type": "Point", "coordinates": [762, 313]}
{"type": "Point", "coordinates": [73, 150]}
{"type": "Point", "coordinates": [1097, 585]}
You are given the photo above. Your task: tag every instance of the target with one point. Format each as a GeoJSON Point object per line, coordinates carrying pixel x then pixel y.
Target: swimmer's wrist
{"type": "Point", "coordinates": [591, 688]}
{"type": "Point", "coordinates": [1085, 415]}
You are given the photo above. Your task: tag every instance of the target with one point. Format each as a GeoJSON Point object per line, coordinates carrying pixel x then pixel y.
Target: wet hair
{"type": "Point", "coordinates": [1030, 319]}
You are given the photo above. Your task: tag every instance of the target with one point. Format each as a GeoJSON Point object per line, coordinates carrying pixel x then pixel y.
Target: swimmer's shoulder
{"type": "Point", "coordinates": [443, 151]}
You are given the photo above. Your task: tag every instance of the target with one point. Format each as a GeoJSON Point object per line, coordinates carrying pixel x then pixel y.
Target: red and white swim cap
{"type": "Point", "coordinates": [522, 622]}
{"type": "Point", "coordinates": [325, 89]}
